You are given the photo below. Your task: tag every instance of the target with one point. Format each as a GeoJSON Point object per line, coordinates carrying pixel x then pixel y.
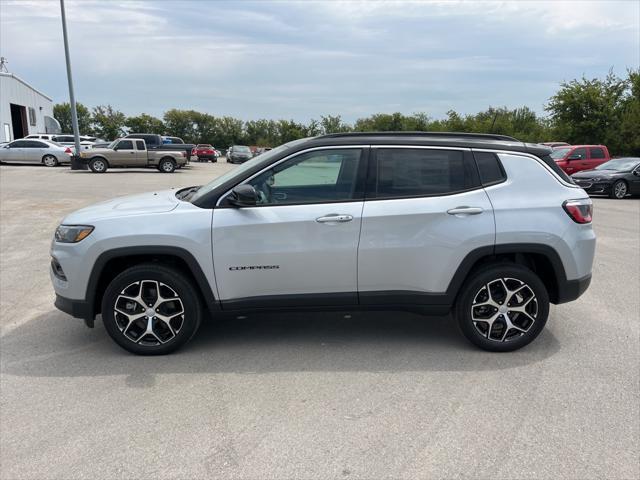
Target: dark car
{"type": "Point", "coordinates": [616, 178]}
{"type": "Point", "coordinates": [239, 154]}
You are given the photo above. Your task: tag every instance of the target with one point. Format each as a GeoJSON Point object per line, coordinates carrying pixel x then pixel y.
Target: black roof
{"type": "Point", "coordinates": [443, 139]}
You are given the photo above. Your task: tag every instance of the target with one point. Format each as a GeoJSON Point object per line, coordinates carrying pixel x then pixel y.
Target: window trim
{"type": "Point", "coordinates": [372, 176]}
{"type": "Point", "coordinates": [360, 177]}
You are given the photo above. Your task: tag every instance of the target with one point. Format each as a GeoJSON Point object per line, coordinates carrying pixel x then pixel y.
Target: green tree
{"type": "Point", "coordinates": [107, 122]}
{"type": "Point", "coordinates": [182, 123]}
{"type": "Point", "coordinates": [62, 113]}
{"type": "Point", "coordinates": [590, 111]}
{"type": "Point", "coordinates": [144, 123]}
{"type": "Point", "coordinates": [630, 117]}
{"type": "Point", "coordinates": [331, 124]}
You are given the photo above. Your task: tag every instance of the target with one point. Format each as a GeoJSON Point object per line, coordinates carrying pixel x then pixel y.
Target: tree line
{"type": "Point", "coordinates": [583, 111]}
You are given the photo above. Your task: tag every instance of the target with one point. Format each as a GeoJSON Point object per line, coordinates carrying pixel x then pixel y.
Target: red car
{"type": "Point", "coordinates": [206, 152]}
{"type": "Point", "coordinates": [576, 158]}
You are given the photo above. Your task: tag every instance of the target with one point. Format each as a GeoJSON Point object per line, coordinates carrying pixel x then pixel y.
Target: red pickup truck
{"type": "Point", "coordinates": [575, 158]}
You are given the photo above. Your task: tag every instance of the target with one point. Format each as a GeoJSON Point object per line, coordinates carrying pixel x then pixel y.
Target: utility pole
{"type": "Point", "coordinates": [76, 163]}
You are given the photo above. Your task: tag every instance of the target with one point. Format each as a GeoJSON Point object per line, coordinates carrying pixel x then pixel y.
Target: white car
{"type": "Point", "coordinates": [43, 152]}
{"type": "Point", "coordinates": [86, 141]}
{"type": "Point", "coordinates": [481, 225]}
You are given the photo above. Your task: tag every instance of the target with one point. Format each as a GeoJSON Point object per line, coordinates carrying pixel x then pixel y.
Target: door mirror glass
{"type": "Point", "coordinates": [243, 196]}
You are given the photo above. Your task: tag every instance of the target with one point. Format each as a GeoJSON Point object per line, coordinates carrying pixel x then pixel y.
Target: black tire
{"type": "Point", "coordinates": [169, 280]}
{"type": "Point", "coordinates": [50, 161]}
{"type": "Point", "coordinates": [98, 165]}
{"type": "Point", "coordinates": [167, 165]}
{"type": "Point", "coordinates": [619, 190]}
{"type": "Point", "coordinates": [488, 337]}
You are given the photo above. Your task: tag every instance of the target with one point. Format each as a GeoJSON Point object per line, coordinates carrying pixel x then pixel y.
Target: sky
{"type": "Point", "coordinates": [300, 60]}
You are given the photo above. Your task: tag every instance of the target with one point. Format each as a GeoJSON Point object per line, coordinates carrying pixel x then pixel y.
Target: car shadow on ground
{"type": "Point", "coordinates": [55, 345]}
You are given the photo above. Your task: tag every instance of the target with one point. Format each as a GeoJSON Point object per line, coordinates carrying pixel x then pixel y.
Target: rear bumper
{"type": "Point", "coordinates": [570, 290]}
{"type": "Point", "coordinates": [75, 308]}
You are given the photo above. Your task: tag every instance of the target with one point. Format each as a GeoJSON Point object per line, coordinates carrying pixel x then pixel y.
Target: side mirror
{"type": "Point", "coordinates": [243, 196]}
{"type": "Point", "coordinates": [115, 148]}
{"type": "Point", "coordinates": [636, 172]}
{"type": "Point", "coordinates": [575, 156]}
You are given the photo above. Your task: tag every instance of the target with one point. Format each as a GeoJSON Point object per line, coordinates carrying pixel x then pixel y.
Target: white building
{"type": "Point", "coordinates": [23, 109]}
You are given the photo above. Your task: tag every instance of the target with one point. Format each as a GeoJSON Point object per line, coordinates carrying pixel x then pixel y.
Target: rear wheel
{"type": "Point", "coordinates": [619, 190]}
{"type": "Point", "coordinates": [98, 165]}
{"type": "Point", "coordinates": [502, 307]}
{"type": "Point", "coordinates": [167, 165]}
{"type": "Point", "coordinates": [151, 309]}
{"type": "Point", "coordinates": [50, 161]}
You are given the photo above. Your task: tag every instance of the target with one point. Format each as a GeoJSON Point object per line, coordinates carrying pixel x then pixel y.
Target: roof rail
{"type": "Point", "coordinates": [477, 136]}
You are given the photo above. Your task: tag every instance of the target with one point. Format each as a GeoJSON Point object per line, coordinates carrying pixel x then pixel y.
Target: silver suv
{"type": "Point", "coordinates": [484, 226]}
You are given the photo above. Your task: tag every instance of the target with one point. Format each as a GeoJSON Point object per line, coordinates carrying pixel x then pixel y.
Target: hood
{"type": "Point", "coordinates": [597, 174]}
{"type": "Point", "coordinates": [139, 204]}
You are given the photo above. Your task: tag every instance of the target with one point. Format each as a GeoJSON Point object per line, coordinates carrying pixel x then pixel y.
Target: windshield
{"type": "Point", "coordinates": [619, 164]}
{"type": "Point", "coordinates": [113, 144]}
{"type": "Point", "coordinates": [559, 153]}
{"type": "Point", "coordinates": [241, 149]}
{"type": "Point", "coordinates": [238, 171]}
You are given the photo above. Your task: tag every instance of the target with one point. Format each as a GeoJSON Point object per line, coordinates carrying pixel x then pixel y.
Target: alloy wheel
{"type": "Point", "coordinates": [620, 189]}
{"type": "Point", "coordinates": [504, 309]}
{"type": "Point", "coordinates": [98, 165]}
{"type": "Point", "coordinates": [148, 313]}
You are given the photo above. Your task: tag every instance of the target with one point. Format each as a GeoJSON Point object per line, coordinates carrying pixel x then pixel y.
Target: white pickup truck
{"type": "Point", "coordinates": [132, 152]}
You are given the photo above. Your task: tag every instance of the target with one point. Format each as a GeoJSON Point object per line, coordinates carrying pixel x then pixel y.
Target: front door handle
{"type": "Point", "coordinates": [335, 218]}
{"type": "Point", "coordinates": [465, 211]}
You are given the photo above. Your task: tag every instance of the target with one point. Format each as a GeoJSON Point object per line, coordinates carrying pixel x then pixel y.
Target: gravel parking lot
{"type": "Point", "coordinates": [377, 395]}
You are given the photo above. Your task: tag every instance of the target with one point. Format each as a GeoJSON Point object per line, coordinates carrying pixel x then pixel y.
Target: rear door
{"type": "Point", "coordinates": [424, 211]}
{"type": "Point", "coordinates": [298, 245]}
{"type": "Point", "coordinates": [34, 151]}
{"type": "Point", "coordinates": [597, 157]}
{"type": "Point", "coordinates": [141, 157]}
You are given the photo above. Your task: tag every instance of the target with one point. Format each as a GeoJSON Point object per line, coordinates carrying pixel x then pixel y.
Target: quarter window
{"type": "Point", "coordinates": [410, 172]}
{"type": "Point", "coordinates": [313, 177]}
{"type": "Point", "coordinates": [140, 144]}
{"type": "Point", "coordinates": [489, 167]}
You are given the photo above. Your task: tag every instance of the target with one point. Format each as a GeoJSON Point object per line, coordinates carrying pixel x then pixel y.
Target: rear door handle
{"type": "Point", "coordinates": [465, 211]}
{"type": "Point", "coordinates": [335, 218]}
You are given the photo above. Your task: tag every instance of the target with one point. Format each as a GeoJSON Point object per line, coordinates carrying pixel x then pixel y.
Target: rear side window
{"type": "Point", "coordinates": [489, 167]}
{"type": "Point", "coordinates": [596, 153]}
{"type": "Point", "coordinates": [407, 172]}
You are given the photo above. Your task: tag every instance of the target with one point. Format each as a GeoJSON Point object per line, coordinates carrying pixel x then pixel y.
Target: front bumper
{"type": "Point", "coordinates": [598, 187]}
{"type": "Point", "coordinates": [75, 308]}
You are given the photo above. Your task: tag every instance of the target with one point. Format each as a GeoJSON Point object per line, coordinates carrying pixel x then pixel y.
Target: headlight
{"type": "Point", "coordinates": [72, 233]}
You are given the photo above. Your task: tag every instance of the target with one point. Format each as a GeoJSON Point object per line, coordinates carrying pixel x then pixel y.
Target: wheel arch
{"type": "Point", "coordinates": [112, 262]}
{"type": "Point", "coordinates": [543, 260]}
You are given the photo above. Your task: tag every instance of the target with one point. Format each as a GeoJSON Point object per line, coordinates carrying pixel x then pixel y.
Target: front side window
{"type": "Point", "coordinates": [18, 144]}
{"type": "Point", "coordinates": [408, 172]}
{"type": "Point", "coordinates": [313, 177]}
{"type": "Point", "coordinates": [582, 152]}
{"type": "Point", "coordinates": [125, 145]}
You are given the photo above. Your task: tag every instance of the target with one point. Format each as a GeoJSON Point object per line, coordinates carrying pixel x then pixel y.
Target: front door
{"type": "Point", "coordinates": [298, 245]}
{"type": "Point", "coordinates": [125, 155]}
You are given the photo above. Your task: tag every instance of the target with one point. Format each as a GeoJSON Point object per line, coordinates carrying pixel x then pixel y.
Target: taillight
{"type": "Point", "coordinates": [194, 152]}
{"type": "Point", "coordinates": [68, 150]}
{"type": "Point", "coordinates": [580, 211]}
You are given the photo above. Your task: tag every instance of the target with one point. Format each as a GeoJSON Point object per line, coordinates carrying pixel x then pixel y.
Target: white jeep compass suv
{"type": "Point", "coordinates": [482, 225]}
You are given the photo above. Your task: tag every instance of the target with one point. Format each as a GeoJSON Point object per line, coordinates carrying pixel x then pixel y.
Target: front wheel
{"type": "Point", "coordinates": [98, 165]}
{"type": "Point", "coordinates": [502, 307]}
{"type": "Point", "coordinates": [619, 190]}
{"type": "Point", "coordinates": [167, 165]}
{"type": "Point", "coordinates": [151, 309]}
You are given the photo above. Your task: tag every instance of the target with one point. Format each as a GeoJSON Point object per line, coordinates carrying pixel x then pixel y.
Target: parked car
{"type": "Point", "coordinates": [45, 152]}
{"type": "Point", "coordinates": [86, 142]}
{"type": "Point", "coordinates": [617, 178]}
{"type": "Point", "coordinates": [239, 154]}
{"type": "Point", "coordinates": [576, 158]}
{"type": "Point", "coordinates": [40, 136]}
{"type": "Point", "coordinates": [206, 152]}
{"type": "Point", "coordinates": [131, 152]}
{"type": "Point", "coordinates": [555, 144]}
{"type": "Point", "coordinates": [482, 225]}
{"type": "Point", "coordinates": [156, 142]}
